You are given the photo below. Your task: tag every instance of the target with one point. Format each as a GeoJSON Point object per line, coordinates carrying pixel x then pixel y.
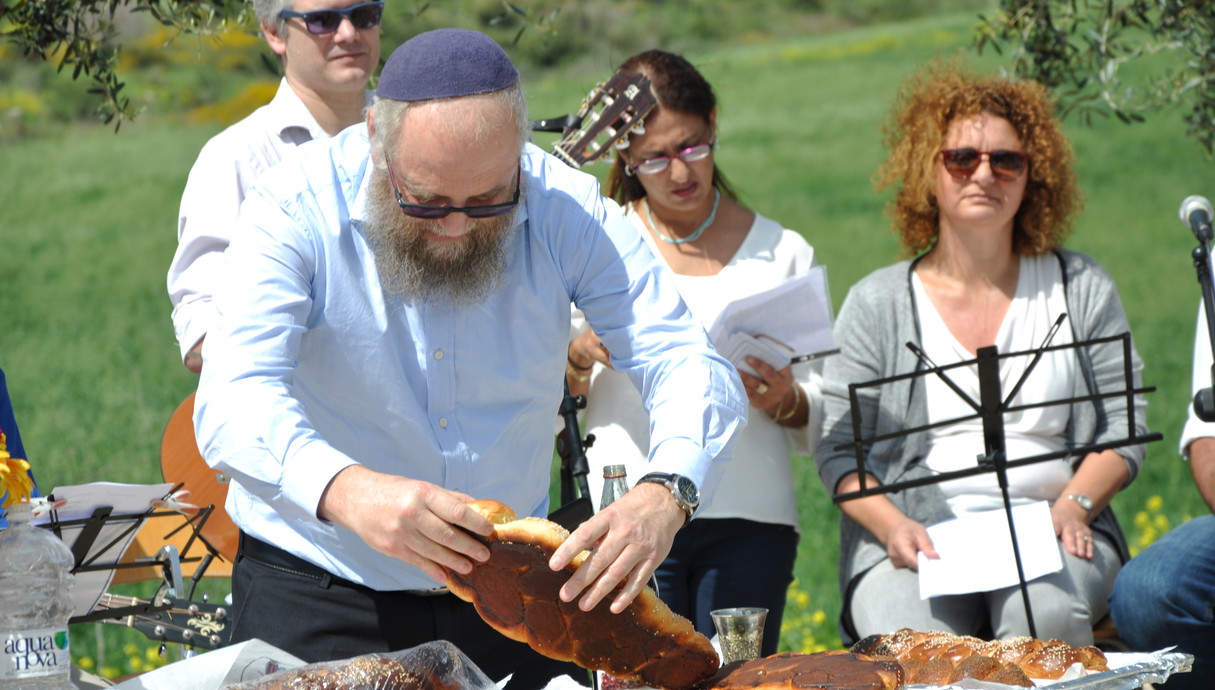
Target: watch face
{"type": "Point", "coordinates": [687, 490]}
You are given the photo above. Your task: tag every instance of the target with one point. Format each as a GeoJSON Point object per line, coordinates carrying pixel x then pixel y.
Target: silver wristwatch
{"type": "Point", "coordinates": [684, 490]}
{"type": "Point", "coordinates": [1083, 499]}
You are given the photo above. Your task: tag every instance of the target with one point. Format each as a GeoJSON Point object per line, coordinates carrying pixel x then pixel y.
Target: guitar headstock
{"type": "Point", "coordinates": [195, 624]}
{"type": "Point", "coordinates": [611, 110]}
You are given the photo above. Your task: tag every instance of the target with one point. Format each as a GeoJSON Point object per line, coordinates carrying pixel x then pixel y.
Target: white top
{"type": "Point", "coordinates": [215, 189]}
{"type": "Point", "coordinates": [1195, 428]}
{"type": "Point", "coordinates": [1038, 302]}
{"type": "Point", "coordinates": [758, 481]}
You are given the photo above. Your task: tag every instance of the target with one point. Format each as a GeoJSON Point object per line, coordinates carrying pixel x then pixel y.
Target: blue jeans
{"type": "Point", "coordinates": [718, 563]}
{"type": "Point", "coordinates": [1165, 596]}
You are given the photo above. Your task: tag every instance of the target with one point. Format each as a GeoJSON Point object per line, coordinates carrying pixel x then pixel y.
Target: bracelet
{"type": "Point", "coordinates": [573, 373]}
{"type": "Point", "coordinates": [571, 365]}
{"type": "Point", "coordinates": [797, 401]}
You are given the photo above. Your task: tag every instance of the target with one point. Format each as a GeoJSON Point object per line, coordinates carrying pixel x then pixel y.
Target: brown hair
{"type": "Point", "coordinates": [925, 108]}
{"type": "Point", "coordinates": [679, 87]}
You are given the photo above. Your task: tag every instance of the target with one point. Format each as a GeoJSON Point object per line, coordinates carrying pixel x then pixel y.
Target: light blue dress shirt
{"type": "Point", "coordinates": [314, 367]}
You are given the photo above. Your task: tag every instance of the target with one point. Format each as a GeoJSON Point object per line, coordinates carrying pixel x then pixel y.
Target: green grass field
{"type": "Point", "coordinates": [88, 217]}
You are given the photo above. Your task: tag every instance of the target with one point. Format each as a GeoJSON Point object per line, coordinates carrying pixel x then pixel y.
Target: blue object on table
{"type": "Point", "coordinates": [8, 424]}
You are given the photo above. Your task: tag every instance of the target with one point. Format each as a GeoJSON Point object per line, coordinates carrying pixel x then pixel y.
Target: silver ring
{"type": "Point", "coordinates": [761, 389]}
{"type": "Point", "coordinates": [1086, 537]}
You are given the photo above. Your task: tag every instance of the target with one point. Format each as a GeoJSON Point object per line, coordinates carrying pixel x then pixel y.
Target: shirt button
{"type": "Point", "coordinates": [438, 354]}
{"type": "Point", "coordinates": [443, 422]}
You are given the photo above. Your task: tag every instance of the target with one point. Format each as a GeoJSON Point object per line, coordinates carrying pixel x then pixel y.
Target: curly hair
{"type": "Point", "coordinates": [925, 108]}
{"type": "Point", "coordinates": [679, 87]}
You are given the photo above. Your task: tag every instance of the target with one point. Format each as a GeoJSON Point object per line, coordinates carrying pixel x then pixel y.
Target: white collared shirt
{"type": "Point", "coordinates": [210, 203]}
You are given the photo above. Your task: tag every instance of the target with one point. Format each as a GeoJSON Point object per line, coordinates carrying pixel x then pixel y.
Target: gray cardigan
{"type": "Point", "coordinates": [876, 321]}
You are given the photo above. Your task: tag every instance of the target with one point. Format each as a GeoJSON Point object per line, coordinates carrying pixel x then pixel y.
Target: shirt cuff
{"type": "Point", "coordinates": [191, 322]}
{"type": "Point", "coordinates": [309, 471]}
{"type": "Point", "coordinates": [1194, 429]}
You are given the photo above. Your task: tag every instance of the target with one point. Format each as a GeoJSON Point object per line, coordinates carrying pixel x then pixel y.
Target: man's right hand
{"type": "Point", "coordinates": [415, 521]}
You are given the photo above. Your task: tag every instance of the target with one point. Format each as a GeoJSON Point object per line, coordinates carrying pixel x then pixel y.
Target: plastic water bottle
{"type": "Point", "coordinates": [615, 485]}
{"type": "Point", "coordinates": [35, 604]}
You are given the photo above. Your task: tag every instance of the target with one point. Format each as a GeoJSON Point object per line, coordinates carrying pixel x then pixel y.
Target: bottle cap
{"type": "Point", "coordinates": [613, 471]}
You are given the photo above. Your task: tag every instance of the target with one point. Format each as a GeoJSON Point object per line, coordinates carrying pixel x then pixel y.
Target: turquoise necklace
{"type": "Point", "coordinates": [695, 233]}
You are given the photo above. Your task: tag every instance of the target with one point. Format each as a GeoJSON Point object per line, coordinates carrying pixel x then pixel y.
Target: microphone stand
{"type": "Point", "coordinates": [576, 504]}
{"type": "Point", "coordinates": [1204, 400]}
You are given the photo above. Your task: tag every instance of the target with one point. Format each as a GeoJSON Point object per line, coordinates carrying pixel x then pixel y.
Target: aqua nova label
{"type": "Point", "coordinates": [35, 653]}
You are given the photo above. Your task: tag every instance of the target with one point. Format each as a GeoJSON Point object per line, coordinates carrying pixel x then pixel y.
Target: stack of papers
{"type": "Point", "coordinates": [787, 324]}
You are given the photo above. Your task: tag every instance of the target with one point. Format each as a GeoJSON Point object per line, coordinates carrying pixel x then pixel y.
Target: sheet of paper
{"type": "Point", "coordinates": [126, 500]}
{"type": "Point", "coordinates": [796, 314]}
{"type": "Point", "coordinates": [739, 346]}
{"type": "Point", "coordinates": [977, 555]}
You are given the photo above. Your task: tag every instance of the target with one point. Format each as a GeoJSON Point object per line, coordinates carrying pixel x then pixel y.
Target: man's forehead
{"type": "Point", "coordinates": [313, 5]}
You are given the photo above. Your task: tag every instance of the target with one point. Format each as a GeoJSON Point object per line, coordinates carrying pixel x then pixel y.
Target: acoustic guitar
{"type": "Point", "coordinates": [180, 462]}
{"type": "Point", "coordinates": [198, 625]}
{"type": "Point", "coordinates": [608, 114]}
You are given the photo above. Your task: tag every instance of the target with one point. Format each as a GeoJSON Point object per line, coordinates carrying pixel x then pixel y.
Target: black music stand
{"type": "Point", "coordinates": [91, 552]}
{"type": "Point", "coordinates": [990, 408]}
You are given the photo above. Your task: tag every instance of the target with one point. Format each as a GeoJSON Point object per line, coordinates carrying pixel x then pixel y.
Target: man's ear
{"type": "Point", "coordinates": [375, 153]}
{"type": "Point", "coordinates": [275, 39]}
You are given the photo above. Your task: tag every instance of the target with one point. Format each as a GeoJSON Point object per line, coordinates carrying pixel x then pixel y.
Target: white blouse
{"type": "Point", "coordinates": [758, 481]}
{"type": "Point", "coordinates": [1038, 302]}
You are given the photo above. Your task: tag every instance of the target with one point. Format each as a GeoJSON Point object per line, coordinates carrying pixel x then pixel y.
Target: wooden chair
{"type": "Point", "coordinates": [1106, 638]}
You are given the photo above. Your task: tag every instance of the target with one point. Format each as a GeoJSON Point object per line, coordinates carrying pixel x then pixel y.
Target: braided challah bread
{"type": "Point", "coordinates": [516, 593]}
{"type": "Point", "coordinates": [935, 657]}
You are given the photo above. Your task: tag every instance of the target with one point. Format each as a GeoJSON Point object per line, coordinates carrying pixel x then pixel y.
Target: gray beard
{"type": "Point", "coordinates": [412, 265]}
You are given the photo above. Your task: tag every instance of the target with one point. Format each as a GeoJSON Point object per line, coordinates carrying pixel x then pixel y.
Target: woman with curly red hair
{"type": "Point", "coordinates": [984, 196]}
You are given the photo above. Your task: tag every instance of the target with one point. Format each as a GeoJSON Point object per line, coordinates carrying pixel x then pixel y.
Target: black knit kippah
{"type": "Point", "coordinates": [446, 63]}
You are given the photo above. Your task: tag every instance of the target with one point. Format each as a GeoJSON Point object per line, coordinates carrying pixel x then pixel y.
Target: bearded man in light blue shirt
{"type": "Point", "coordinates": [393, 342]}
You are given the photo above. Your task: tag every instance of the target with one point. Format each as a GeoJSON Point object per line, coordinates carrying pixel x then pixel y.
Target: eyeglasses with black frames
{"type": "Point", "coordinates": [436, 212]}
{"type": "Point", "coordinates": [1006, 166]}
{"type": "Point", "coordinates": [655, 165]}
{"type": "Point", "coordinates": [319, 22]}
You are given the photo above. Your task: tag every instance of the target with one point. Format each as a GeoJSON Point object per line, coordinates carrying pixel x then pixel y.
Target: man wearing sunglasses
{"type": "Point", "coordinates": [396, 315]}
{"type": "Point", "coordinates": [328, 50]}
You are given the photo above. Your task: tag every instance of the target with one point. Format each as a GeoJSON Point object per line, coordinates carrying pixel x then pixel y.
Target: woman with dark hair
{"type": "Point", "coordinates": [739, 551]}
{"type": "Point", "coordinates": [985, 193]}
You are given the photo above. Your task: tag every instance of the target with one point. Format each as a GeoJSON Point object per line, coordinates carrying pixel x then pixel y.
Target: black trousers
{"type": "Point", "coordinates": [325, 618]}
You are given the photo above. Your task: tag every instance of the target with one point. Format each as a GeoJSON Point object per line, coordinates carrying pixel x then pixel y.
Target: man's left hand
{"type": "Point", "coordinates": [629, 538]}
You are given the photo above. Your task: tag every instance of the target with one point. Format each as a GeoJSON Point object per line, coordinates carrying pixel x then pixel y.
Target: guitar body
{"type": "Point", "coordinates": [180, 462]}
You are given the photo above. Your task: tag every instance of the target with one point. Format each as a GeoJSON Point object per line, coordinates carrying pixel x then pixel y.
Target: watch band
{"type": "Point", "coordinates": [682, 489]}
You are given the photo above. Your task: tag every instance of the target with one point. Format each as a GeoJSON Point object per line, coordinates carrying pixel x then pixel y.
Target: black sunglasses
{"type": "Point", "coordinates": [1005, 165]}
{"type": "Point", "coordinates": [362, 16]}
{"type": "Point", "coordinates": [436, 212]}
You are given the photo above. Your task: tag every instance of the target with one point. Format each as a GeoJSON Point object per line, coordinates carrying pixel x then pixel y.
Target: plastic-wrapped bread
{"type": "Point", "coordinates": [1031, 657]}
{"type": "Point", "coordinates": [516, 593]}
{"type": "Point", "coordinates": [431, 666]}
